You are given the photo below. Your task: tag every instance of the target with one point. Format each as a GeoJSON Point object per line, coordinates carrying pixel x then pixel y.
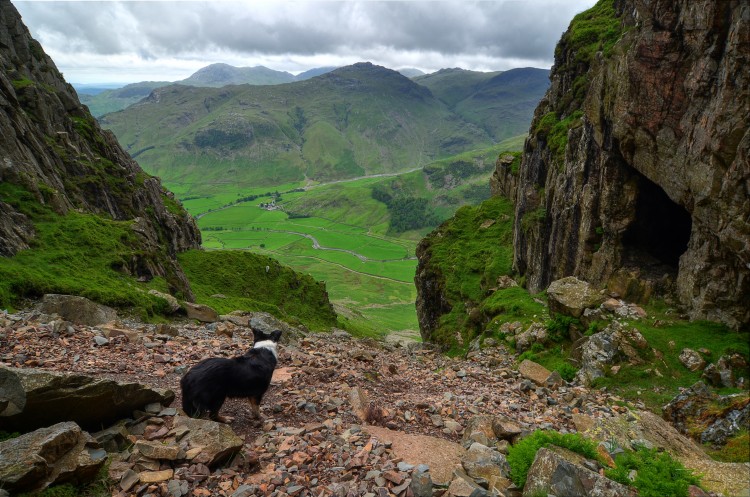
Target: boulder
{"type": "Point", "coordinates": [535, 333]}
{"type": "Point", "coordinates": [478, 429]}
{"type": "Point", "coordinates": [79, 310]}
{"type": "Point", "coordinates": [58, 454]}
{"type": "Point", "coordinates": [729, 371]}
{"type": "Point", "coordinates": [267, 323]}
{"type": "Point", "coordinates": [571, 296]}
{"type": "Point", "coordinates": [534, 372]}
{"type": "Point", "coordinates": [201, 312]}
{"type": "Point", "coordinates": [615, 344]}
{"type": "Point", "coordinates": [216, 441]}
{"type": "Point", "coordinates": [38, 398]}
{"type": "Point", "coordinates": [172, 304]}
{"type": "Point", "coordinates": [561, 472]}
{"type": "Point", "coordinates": [486, 466]}
{"type": "Point", "coordinates": [692, 359]}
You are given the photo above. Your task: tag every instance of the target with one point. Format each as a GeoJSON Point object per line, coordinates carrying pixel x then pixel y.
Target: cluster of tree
{"type": "Point", "coordinates": [297, 215]}
{"type": "Point", "coordinates": [216, 138]}
{"type": "Point", "coordinates": [407, 213]}
{"type": "Point", "coordinates": [457, 169]}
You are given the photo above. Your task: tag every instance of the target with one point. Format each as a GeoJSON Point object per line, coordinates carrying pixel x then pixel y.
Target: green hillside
{"type": "Point", "coordinates": [501, 103]}
{"type": "Point", "coordinates": [355, 121]}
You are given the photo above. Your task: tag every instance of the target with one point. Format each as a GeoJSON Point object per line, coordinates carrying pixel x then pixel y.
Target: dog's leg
{"type": "Point", "coordinates": [255, 410]}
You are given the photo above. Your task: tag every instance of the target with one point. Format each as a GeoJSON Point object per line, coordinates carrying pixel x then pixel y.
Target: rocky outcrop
{"type": "Point", "coordinates": [559, 471]}
{"type": "Point", "coordinates": [37, 398]}
{"type": "Point", "coordinates": [635, 172]}
{"type": "Point", "coordinates": [59, 454]}
{"type": "Point", "coordinates": [54, 151]}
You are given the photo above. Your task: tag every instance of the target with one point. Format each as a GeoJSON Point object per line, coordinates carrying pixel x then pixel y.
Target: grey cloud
{"type": "Point", "coordinates": [500, 29]}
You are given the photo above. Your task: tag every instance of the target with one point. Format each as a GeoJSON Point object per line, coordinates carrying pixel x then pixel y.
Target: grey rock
{"type": "Point", "coordinates": [57, 454]}
{"type": "Point", "coordinates": [39, 398]}
{"type": "Point", "coordinates": [421, 484]}
{"type": "Point", "coordinates": [201, 312]}
{"type": "Point", "coordinates": [483, 463]}
{"type": "Point", "coordinates": [79, 310]}
{"type": "Point", "coordinates": [571, 296]}
{"type": "Point", "coordinates": [172, 304]}
{"type": "Point", "coordinates": [217, 440]}
{"type": "Point", "coordinates": [561, 472]}
{"type": "Point", "coordinates": [101, 341]}
{"type": "Point", "coordinates": [692, 359]}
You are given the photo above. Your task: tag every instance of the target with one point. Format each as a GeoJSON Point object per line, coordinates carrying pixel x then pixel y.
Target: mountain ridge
{"type": "Point", "coordinates": [356, 120]}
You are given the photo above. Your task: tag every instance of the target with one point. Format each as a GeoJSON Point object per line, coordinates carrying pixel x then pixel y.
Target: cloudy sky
{"type": "Point", "coordinates": [128, 41]}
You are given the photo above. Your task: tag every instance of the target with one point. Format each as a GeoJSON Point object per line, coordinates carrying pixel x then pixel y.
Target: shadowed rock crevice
{"type": "Point", "coordinates": [660, 231]}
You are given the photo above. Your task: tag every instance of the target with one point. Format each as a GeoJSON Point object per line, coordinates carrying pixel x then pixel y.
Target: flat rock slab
{"type": "Point", "coordinates": [534, 372]}
{"type": "Point", "coordinates": [38, 398]}
{"type": "Point", "coordinates": [442, 456]}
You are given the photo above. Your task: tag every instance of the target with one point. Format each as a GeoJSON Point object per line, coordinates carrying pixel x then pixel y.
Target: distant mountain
{"type": "Point", "coordinates": [502, 103]}
{"type": "Point", "coordinates": [95, 88]}
{"type": "Point", "coordinates": [103, 99]}
{"type": "Point", "coordinates": [353, 121]}
{"type": "Point", "coordinates": [217, 75]}
{"type": "Point", "coordinates": [113, 100]}
{"type": "Point", "coordinates": [411, 72]}
{"type": "Point", "coordinates": [311, 73]}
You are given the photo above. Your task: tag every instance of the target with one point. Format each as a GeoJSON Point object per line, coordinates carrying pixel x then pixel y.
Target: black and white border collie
{"type": "Point", "coordinates": [207, 384]}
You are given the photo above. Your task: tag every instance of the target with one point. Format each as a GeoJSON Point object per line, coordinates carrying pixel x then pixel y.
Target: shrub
{"type": "Point", "coordinates": [657, 474]}
{"type": "Point", "coordinates": [522, 454]}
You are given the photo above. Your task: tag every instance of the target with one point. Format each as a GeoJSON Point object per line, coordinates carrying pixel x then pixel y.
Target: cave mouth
{"type": "Point", "coordinates": [661, 229]}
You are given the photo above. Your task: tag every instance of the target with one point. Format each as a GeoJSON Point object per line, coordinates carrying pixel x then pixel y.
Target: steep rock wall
{"type": "Point", "coordinates": [636, 174]}
{"type": "Point", "coordinates": [52, 147]}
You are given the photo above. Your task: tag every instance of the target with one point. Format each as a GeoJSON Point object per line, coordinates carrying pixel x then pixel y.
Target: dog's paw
{"type": "Point", "coordinates": [224, 419]}
{"type": "Point", "coordinates": [256, 423]}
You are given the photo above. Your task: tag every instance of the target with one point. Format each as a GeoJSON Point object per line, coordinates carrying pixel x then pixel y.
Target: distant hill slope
{"type": "Point", "coordinates": [113, 100]}
{"type": "Point", "coordinates": [502, 103]}
{"type": "Point", "coordinates": [103, 101]}
{"type": "Point", "coordinates": [356, 120]}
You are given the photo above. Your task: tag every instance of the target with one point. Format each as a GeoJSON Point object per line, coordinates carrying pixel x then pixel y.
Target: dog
{"type": "Point", "coordinates": [207, 384]}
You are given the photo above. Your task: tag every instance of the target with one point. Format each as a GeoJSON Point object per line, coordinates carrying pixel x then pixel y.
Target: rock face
{"type": "Point", "coordinates": [54, 149]}
{"type": "Point", "coordinates": [635, 172]}
{"type": "Point", "coordinates": [39, 398]}
{"type": "Point", "coordinates": [59, 454]}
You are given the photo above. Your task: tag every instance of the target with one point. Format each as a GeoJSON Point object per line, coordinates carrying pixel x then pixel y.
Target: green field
{"type": "Point", "coordinates": [369, 274]}
{"type": "Point", "coordinates": [338, 233]}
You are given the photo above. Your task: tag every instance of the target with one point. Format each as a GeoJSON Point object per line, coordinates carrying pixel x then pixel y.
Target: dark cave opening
{"type": "Point", "coordinates": [661, 228]}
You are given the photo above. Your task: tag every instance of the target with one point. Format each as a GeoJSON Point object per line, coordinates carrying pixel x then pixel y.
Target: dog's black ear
{"type": "Point", "coordinates": [257, 336]}
{"type": "Point", "coordinates": [276, 335]}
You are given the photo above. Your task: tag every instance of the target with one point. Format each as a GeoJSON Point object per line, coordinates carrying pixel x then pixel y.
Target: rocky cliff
{"type": "Point", "coordinates": [636, 173]}
{"type": "Point", "coordinates": [53, 148]}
